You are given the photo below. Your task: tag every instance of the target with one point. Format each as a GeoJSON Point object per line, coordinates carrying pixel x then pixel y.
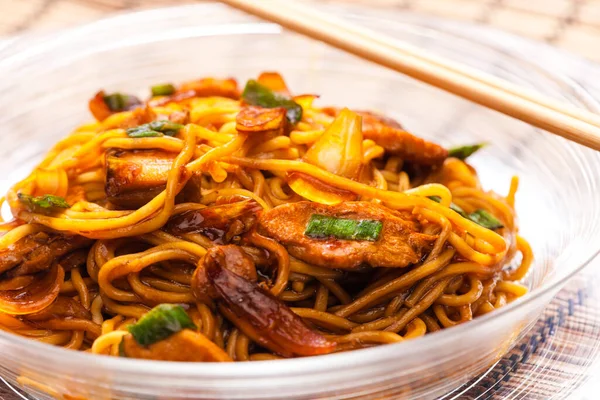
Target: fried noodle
{"type": "Point", "coordinates": [133, 258]}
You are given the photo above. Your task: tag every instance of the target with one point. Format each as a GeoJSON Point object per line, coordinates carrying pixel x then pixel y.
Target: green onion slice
{"type": "Point", "coordinates": [159, 323]}
{"type": "Point", "coordinates": [259, 95]}
{"type": "Point", "coordinates": [142, 133]}
{"type": "Point", "coordinates": [480, 217]}
{"type": "Point", "coordinates": [462, 152]}
{"type": "Point", "coordinates": [164, 89]}
{"type": "Point", "coordinates": [323, 227]}
{"type": "Point", "coordinates": [154, 129]}
{"type": "Point", "coordinates": [46, 201]}
{"type": "Point", "coordinates": [453, 206]}
{"type": "Point", "coordinates": [485, 219]}
{"type": "Point", "coordinates": [121, 102]}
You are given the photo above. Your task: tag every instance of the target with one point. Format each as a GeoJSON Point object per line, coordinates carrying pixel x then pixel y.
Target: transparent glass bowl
{"type": "Point", "coordinates": [46, 83]}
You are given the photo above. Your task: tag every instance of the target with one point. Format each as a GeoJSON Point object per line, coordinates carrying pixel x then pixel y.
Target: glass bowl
{"type": "Point", "coordinates": [47, 81]}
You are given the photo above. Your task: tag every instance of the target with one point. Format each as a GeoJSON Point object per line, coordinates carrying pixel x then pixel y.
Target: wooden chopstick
{"type": "Point", "coordinates": [564, 120]}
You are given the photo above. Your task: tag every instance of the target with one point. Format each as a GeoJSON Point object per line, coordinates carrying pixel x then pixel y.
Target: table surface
{"type": "Point", "coordinates": [548, 363]}
{"type": "Point", "coordinates": [569, 24]}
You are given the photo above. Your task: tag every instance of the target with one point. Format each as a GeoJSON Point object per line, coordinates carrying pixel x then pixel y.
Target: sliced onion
{"type": "Point", "coordinates": [275, 82]}
{"type": "Point", "coordinates": [54, 182]}
{"type": "Point", "coordinates": [35, 296]}
{"type": "Point", "coordinates": [339, 149]}
{"type": "Point", "coordinates": [314, 190]}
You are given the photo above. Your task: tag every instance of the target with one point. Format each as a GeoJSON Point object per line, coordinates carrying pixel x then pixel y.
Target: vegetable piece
{"type": "Point", "coordinates": [322, 226]}
{"type": "Point", "coordinates": [317, 191]}
{"type": "Point", "coordinates": [98, 107]}
{"type": "Point", "coordinates": [154, 129]}
{"type": "Point", "coordinates": [480, 216]}
{"type": "Point", "coordinates": [103, 106]}
{"type": "Point", "coordinates": [485, 219]}
{"type": "Point", "coordinates": [134, 177]}
{"type": "Point", "coordinates": [142, 132]}
{"type": "Point", "coordinates": [453, 206]}
{"type": "Point", "coordinates": [260, 315]}
{"type": "Point", "coordinates": [399, 245]}
{"type": "Point", "coordinates": [204, 87]}
{"type": "Point", "coordinates": [339, 151]}
{"type": "Point", "coordinates": [260, 95]}
{"type": "Point", "coordinates": [36, 296]}
{"type": "Point", "coordinates": [164, 89]}
{"type": "Point", "coordinates": [186, 345]}
{"type": "Point", "coordinates": [462, 152]}
{"type": "Point", "coordinates": [219, 223]}
{"type": "Point", "coordinates": [390, 135]}
{"type": "Point", "coordinates": [47, 202]}
{"type": "Point", "coordinates": [121, 102]}
{"type": "Point", "coordinates": [252, 119]}
{"type": "Point", "coordinates": [275, 82]}
{"type": "Point", "coordinates": [160, 323]}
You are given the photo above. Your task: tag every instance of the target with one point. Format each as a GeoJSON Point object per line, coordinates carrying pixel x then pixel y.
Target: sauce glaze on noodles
{"type": "Point", "coordinates": [133, 263]}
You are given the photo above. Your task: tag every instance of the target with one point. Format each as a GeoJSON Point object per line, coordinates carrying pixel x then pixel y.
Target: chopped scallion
{"type": "Point", "coordinates": [462, 152]}
{"type": "Point", "coordinates": [260, 95]}
{"type": "Point", "coordinates": [121, 102]}
{"type": "Point", "coordinates": [480, 217]}
{"type": "Point", "coordinates": [323, 227]}
{"type": "Point", "coordinates": [154, 129]}
{"type": "Point", "coordinates": [46, 201]}
{"type": "Point", "coordinates": [453, 206]}
{"type": "Point", "coordinates": [159, 323]}
{"type": "Point", "coordinates": [164, 89]}
{"type": "Point", "coordinates": [485, 219]}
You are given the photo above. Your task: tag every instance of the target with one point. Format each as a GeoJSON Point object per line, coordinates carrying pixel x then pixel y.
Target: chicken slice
{"type": "Point", "coordinates": [36, 252]}
{"type": "Point", "coordinates": [398, 244]}
{"type": "Point", "coordinates": [185, 346]}
{"type": "Point", "coordinates": [390, 135]}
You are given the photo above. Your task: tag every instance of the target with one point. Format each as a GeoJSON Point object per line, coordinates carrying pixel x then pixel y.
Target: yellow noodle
{"type": "Point", "coordinates": [137, 258]}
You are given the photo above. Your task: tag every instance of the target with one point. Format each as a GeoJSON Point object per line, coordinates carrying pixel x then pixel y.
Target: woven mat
{"type": "Point", "coordinates": [561, 353]}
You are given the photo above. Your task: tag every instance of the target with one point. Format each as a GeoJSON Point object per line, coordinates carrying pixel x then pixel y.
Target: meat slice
{"type": "Point", "coordinates": [184, 346]}
{"type": "Point", "coordinates": [220, 223]}
{"type": "Point", "coordinates": [398, 245]}
{"type": "Point", "coordinates": [234, 258]}
{"type": "Point", "coordinates": [390, 135]}
{"type": "Point", "coordinates": [62, 308]}
{"type": "Point", "coordinates": [139, 116]}
{"type": "Point", "coordinates": [134, 177]}
{"type": "Point", "coordinates": [205, 87]}
{"type": "Point", "coordinates": [254, 119]}
{"type": "Point", "coordinates": [255, 311]}
{"type": "Point", "coordinates": [36, 252]}
{"type": "Point", "coordinates": [101, 110]}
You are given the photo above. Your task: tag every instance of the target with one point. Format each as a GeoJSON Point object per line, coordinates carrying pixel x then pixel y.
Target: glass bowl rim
{"type": "Point", "coordinates": [324, 363]}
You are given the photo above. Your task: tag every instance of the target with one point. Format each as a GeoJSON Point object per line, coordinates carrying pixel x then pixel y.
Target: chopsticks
{"type": "Point", "coordinates": [572, 123]}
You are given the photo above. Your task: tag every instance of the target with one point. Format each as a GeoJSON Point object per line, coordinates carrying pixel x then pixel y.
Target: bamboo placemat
{"type": "Point", "coordinates": [561, 353]}
{"type": "Point", "coordinates": [558, 359]}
